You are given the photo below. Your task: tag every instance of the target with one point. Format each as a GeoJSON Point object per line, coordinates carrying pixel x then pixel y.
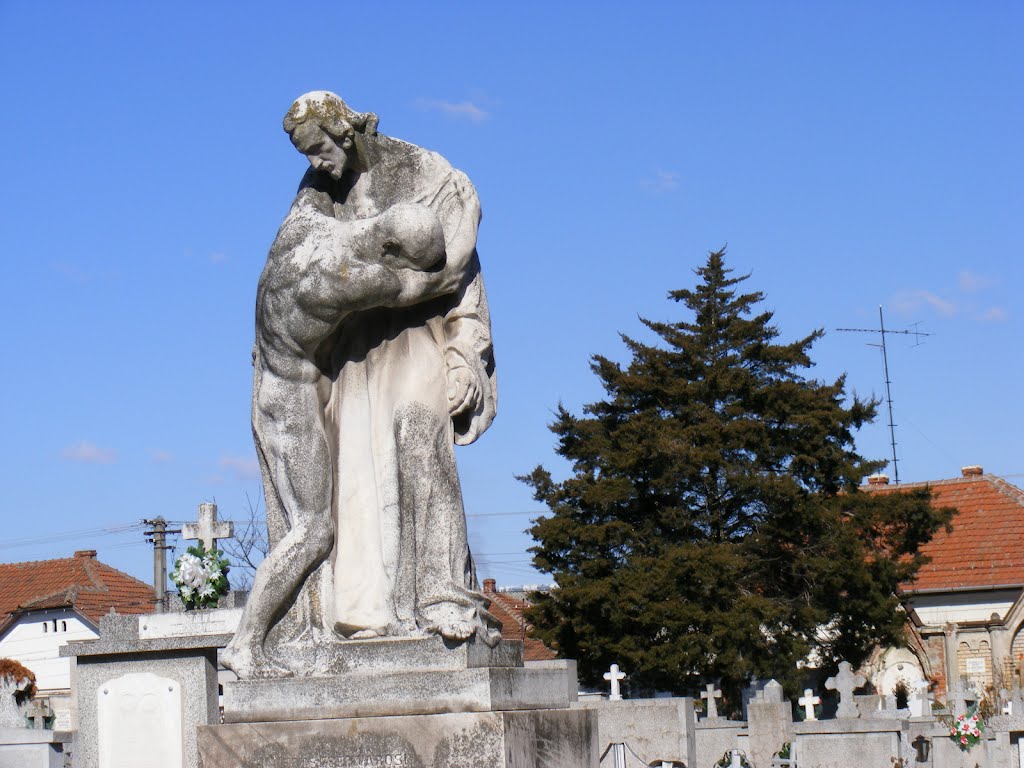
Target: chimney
{"type": "Point", "coordinates": [878, 480]}
{"type": "Point", "coordinates": [85, 553]}
{"type": "Point", "coordinates": [974, 470]}
{"type": "Point", "coordinates": [489, 586]}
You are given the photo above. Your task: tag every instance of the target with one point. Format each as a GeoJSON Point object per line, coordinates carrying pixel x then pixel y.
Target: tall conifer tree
{"type": "Point", "coordinates": [712, 527]}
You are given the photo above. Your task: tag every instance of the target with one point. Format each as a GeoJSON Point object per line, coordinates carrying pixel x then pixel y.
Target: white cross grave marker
{"type": "Point", "coordinates": [807, 701]}
{"type": "Point", "coordinates": [924, 697]}
{"type": "Point", "coordinates": [209, 529]}
{"type": "Point", "coordinates": [958, 695]}
{"type": "Point", "coordinates": [846, 682]}
{"type": "Point", "coordinates": [711, 693]}
{"type": "Point", "coordinates": [614, 675]}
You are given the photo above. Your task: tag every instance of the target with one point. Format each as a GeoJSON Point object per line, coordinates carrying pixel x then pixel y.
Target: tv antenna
{"type": "Point", "coordinates": [882, 331]}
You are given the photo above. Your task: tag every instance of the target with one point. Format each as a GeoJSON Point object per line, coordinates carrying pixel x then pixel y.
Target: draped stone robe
{"type": "Point", "coordinates": [401, 558]}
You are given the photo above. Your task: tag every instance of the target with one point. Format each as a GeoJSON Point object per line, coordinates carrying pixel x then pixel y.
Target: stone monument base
{"type": "Point", "coordinates": [541, 738]}
{"type": "Point", "coordinates": [27, 748]}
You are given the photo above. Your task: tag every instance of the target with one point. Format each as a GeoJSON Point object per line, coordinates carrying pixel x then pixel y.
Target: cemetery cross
{"type": "Point", "coordinates": [209, 529]}
{"type": "Point", "coordinates": [846, 682]}
{"type": "Point", "coordinates": [808, 701]}
{"type": "Point", "coordinates": [614, 675]}
{"type": "Point", "coordinates": [711, 693]}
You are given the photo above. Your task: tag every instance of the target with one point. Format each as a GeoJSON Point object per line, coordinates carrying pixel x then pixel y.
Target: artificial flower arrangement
{"type": "Point", "coordinates": [201, 576]}
{"type": "Point", "coordinates": [967, 730]}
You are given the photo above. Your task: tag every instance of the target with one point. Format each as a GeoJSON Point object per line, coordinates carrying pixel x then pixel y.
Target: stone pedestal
{"type": "Point", "coordinates": [520, 739]}
{"type": "Point", "coordinates": [417, 702]}
{"type": "Point", "coordinates": [31, 748]}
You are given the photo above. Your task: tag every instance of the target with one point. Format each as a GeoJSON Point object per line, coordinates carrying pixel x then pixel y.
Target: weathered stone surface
{"type": "Point", "coordinates": [394, 693]}
{"type": "Point", "coordinates": [522, 739]}
{"type": "Point", "coordinates": [332, 655]}
{"type": "Point", "coordinates": [655, 729]}
{"type": "Point", "coordinates": [850, 750]}
{"type": "Point", "coordinates": [770, 723]}
{"type": "Point", "coordinates": [372, 358]}
{"type": "Point", "coordinates": [715, 737]}
{"type": "Point", "coordinates": [22, 748]}
{"type": "Point", "coordinates": [138, 721]}
{"type": "Point", "coordinates": [194, 671]}
{"type": "Point", "coordinates": [218, 621]}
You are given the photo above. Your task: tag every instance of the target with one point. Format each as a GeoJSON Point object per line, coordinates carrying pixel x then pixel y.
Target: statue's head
{"type": "Point", "coordinates": [333, 137]}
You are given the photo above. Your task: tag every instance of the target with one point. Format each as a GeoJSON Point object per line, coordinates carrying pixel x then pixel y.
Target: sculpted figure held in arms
{"type": "Point", "coordinates": [372, 358]}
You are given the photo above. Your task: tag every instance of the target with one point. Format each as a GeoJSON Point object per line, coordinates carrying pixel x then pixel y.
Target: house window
{"type": "Point", "coordinates": [54, 625]}
{"type": "Point", "coordinates": [63, 626]}
{"type": "Point", "coordinates": [46, 627]}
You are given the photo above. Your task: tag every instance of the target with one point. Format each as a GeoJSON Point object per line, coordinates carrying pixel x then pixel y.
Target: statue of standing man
{"type": "Point", "coordinates": [373, 358]}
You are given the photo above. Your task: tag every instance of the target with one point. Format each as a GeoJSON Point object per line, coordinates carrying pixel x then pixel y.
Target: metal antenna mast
{"type": "Point", "coordinates": [882, 330]}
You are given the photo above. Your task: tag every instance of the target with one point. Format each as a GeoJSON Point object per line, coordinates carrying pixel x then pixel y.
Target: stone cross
{"type": "Point", "coordinates": [614, 675]}
{"type": "Point", "coordinates": [38, 712]}
{"type": "Point", "coordinates": [957, 694]}
{"type": "Point", "coordinates": [737, 761]}
{"type": "Point", "coordinates": [807, 701]}
{"type": "Point", "coordinates": [846, 682]}
{"type": "Point", "coordinates": [924, 695]}
{"type": "Point", "coordinates": [711, 693]}
{"type": "Point", "coordinates": [209, 529]}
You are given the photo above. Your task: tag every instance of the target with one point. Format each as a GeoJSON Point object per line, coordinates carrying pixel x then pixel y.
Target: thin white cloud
{"type": "Point", "coordinates": [909, 302]}
{"type": "Point", "coordinates": [218, 257]}
{"type": "Point", "coordinates": [465, 110]}
{"type": "Point", "coordinates": [85, 452]}
{"type": "Point", "coordinates": [995, 315]}
{"type": "Point", "coordinates": [161, 457]}
{"type": "Point", "coordinates": [972, 282]}
{"type": "Point", "coordinates": [662, 182]}
{"type": "Point", "coordinates": [244, 467]}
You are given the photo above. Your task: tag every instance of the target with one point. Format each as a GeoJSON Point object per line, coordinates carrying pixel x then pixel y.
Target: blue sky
{"type": "Point", "coordinates": [850, 156]}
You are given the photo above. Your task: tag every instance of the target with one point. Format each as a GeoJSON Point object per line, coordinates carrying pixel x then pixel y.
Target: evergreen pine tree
{"type": "Point", "coordinates": [712, 527]}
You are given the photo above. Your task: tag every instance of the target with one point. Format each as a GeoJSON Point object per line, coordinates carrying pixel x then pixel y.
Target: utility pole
{"type": "Point", "coordinates": [159, 540]}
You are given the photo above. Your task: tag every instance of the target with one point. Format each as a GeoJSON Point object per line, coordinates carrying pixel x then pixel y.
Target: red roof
{"type": "Point", "coordinates": [509, 611]}
{"type": "Point", "coordinates": [984, 547]}
{"type": "Point", "coordinates": [81, 582]}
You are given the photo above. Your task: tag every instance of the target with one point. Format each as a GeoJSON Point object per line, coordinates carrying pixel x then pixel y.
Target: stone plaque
{"type": "Point", "coordinates": [975, 666]}
{"type": "Point", "coordinates": [139, 718]}
{"type": "Point", "coordinates": [218, 621]}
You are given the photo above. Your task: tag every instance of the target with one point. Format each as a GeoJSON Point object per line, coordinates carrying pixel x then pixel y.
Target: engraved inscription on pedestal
{"type": "Point", "coordinates": [140, 722]}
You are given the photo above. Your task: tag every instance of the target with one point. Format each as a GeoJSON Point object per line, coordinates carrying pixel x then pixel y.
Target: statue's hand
{"type": "Point", "coordinates": [463, 391]}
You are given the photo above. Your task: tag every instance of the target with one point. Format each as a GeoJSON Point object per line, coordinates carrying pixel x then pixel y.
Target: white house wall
{"type": "Point", "coordinates": [25, 641]}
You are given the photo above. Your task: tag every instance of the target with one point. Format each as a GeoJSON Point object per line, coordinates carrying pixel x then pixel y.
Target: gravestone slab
{"type": "Point", "coordinates": [139, 722]}
{"type": "Point", "coordinates": [566, 738]}
{"type": "Point", "coordinates": [655, 729]}
{"type": "Point", "coordinates": [853, 750]}
{"type": "Point", "coordinates": [221, 621]}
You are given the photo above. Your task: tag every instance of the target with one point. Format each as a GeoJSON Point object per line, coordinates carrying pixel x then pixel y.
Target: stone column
{"type": "Point", "coordinates": [950, 651]}
{"type": "Point", "coordinates": [1000, 641]}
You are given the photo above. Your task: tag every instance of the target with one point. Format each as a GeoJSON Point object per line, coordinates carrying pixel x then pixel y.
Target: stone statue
{"type": "Point", "coordinates": [372, 358]}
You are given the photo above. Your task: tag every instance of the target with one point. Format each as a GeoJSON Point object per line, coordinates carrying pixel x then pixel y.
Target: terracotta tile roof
{"type": "Point", "coordinates": [82, 582]}
{"type": "Point", "coordinates": [984, 549]}
{"type": "Point", "coordinates": [508, 609]}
